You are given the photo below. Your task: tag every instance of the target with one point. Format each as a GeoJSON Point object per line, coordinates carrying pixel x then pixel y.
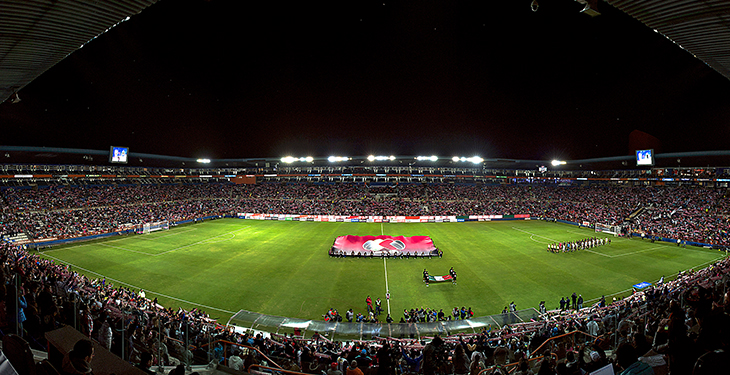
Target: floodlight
{"type": "Point", "coordinates": [455, 159]}
{"type": "Point", "coordinates": [557, 162]}
{"type": "Point", "coordinates": [380, 158]}
{"type": "Point", "coordinates": [204, 161]}
{"type": "Point", "coordinates": [308, 159]}
{"type": "Point", "coordinates": [288, 159]}
{"type": "Point", "coordinates": [431, 158]}
{"type": "Point", "coordinates": [475, 159]}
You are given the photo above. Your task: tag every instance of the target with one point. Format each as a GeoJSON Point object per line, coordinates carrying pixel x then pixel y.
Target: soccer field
{"type": "Point", "coordinates": [283, 267]}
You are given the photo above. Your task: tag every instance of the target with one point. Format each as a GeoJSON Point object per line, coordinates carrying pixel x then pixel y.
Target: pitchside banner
{"type": "Point", "coordinates": [380, 219]}
{"type": "Point", "coordinates": [384, 246]}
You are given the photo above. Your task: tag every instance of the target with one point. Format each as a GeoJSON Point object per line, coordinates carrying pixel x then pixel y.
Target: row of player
{"type": "Point", "coordinates": [570, 246]}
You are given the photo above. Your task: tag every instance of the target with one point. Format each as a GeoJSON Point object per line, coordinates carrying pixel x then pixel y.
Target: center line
{"type": "Point", "coordinates": [387, 291]}
{"type": "Point", "coordinates": [385, 268]}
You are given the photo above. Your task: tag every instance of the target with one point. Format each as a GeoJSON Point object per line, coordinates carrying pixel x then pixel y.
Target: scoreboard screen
{"type": "Point", "coordinates": [645, 158]}
{"type": "Point", "coordinates": [118, 155]}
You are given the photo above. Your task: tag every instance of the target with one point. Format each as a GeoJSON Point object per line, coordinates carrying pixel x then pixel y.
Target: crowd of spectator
{"type": "Point", "coordinates": [671, 324]}
{"type": "Point", "coordinates": [692, 214]}
{"type": "Point", "coordinates": [677, 324]}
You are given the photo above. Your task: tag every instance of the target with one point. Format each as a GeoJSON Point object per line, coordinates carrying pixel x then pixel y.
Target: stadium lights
{"type": "Point", "coordinates": [473, 159]}
{"type": "Point", "coordinates": [431, 158]}
{"type": "Point", "coordinates": [204, 161]}
{"type": "Point", "coordinates": [380, 158]}
{"type": "Point", "coordinates": [555, 163]}
{"type": "Point", "coordinates": [291, 159]}
{"type": "Point", "coordinates": [334, 159]}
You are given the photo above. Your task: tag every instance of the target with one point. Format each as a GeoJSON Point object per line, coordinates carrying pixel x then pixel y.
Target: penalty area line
{"type": "Point", "coordinates": [137, 287]}
{"type": "Point", "coordinates": [207, 240]}
{"type": "Point", "coordinates": [125, 249]}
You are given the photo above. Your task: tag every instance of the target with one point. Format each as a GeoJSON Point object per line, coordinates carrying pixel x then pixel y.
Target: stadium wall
{"type": "Point", "coordinates": [325, 218]}
{"type": "Point", "coordinates": [381, 219]}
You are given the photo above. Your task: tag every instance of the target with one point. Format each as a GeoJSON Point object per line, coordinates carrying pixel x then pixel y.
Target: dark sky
{"type": "Point", "coordinates": [228, 79]}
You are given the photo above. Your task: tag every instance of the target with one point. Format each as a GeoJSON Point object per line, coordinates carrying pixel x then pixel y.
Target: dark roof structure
{"type": "Point", "coordinates": [702, 28]}
{"type": "Point", "coordinates": [35, 35]}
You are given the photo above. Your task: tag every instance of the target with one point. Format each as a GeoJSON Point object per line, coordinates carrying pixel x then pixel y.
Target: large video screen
{"type": "Point", "coordinates": [118, 155]}
{"type": "Point", "coordinates": [645, 158]}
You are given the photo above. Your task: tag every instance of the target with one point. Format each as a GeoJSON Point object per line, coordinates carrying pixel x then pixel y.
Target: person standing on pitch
{"type": "Point", "coordinates": [453, 276]}
{"type": "Point", "coordinates": [574, 297]}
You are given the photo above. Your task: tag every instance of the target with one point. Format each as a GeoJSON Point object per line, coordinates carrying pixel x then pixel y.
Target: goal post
{"type": "Point", "coordinates": [610, 229]}
{"type": "Point", "coordinates": [148, 228]}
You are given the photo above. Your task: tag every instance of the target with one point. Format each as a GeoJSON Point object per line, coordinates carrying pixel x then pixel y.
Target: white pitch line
{"type": "Point", "coordinates": [387, 291]}
{"type": "Point", "coordinates": [84, 243]}
{"type": "Point", "coordinates": [167, 235]}
{"type": "Point", "coordinates": [536, 235]}
{"type": "Point", "coordinates": [148, 291]}
{"type": "Point", "coordinates": [125, 249]}
{"type": "Point", "coordinates": [200, 242]}
{"type": "Point", "coordinates": [547, 243]}
{"type": "Point", "coordinates": [575, 231]}
{"type": "Point", "coordinates": [385, 268]}
{"type": "Point", "coordinates": [596, 252]}
{"type": "Point", "coordinates": [635, 252]}
{"type": "Point", "coordinates": [624, 254]}
{"type": "Point", "coordinates": [65, 248]}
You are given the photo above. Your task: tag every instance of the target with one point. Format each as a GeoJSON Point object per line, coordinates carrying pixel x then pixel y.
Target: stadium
{"type": "Point", "coordinates": [464, 259]}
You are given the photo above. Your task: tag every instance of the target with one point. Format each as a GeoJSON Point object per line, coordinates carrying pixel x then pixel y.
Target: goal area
{"type": "Point", "coordinates": [147, 228]}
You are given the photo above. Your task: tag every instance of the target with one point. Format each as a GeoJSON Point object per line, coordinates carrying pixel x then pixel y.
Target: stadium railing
{"type": "Point", "coordinates": [226, 350]}
{"type": "Point", "coordinates": [346, 330]}
{"type": "Point", "coordinates": [570, 340]}
{"type": "Point", "coordinates": [270, 370]}
{"type": "Point", "coordinates": [512, 367]}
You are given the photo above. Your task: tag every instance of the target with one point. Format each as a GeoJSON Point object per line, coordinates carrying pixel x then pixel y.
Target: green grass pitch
{"type": "Point", "coordinates": [283, 268]}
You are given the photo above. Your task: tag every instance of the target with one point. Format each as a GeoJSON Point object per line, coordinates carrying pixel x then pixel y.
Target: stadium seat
{"type": "Point", "coordinates": [18, 352]}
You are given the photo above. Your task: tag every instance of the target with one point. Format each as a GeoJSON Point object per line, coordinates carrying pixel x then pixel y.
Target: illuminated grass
{"type": "Point", "coordinates": [282, 268]}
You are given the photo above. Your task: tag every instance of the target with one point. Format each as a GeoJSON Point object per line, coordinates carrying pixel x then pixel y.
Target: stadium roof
{"type": "Point", "coordinates": [35, 35]}
{"type": "Point", "coordinates": [702, 28]}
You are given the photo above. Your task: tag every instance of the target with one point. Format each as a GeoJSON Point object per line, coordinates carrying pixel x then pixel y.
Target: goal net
{"type": "Point", "coordinates": [147, 228]}
{"type": "Point", "coordinates": [610, 229]}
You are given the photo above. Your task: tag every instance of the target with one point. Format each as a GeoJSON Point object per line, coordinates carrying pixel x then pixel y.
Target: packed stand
{"type": "Point", "coordinates": [693, 214]}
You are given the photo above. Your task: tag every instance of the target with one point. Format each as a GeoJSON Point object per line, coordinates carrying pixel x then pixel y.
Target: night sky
{"type": "Point", "coordinates": [228, 79]}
